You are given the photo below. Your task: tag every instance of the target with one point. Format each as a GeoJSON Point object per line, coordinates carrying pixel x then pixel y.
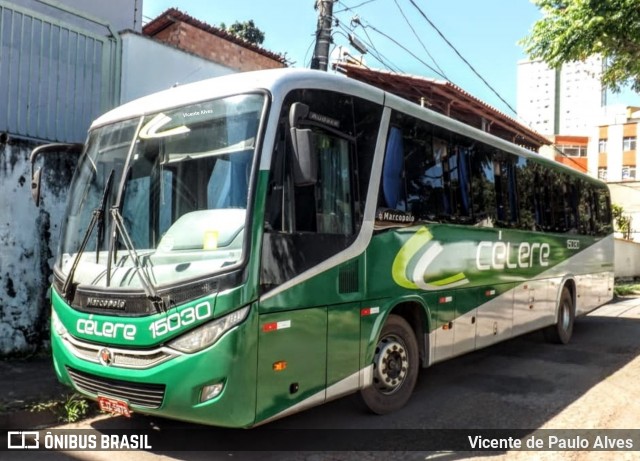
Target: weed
{"type": "Point", "coordinates": [76, 408]}
{"type": "Point", "coordinates": [626, 289]}
{"type": "Point", "coordinates": [68, 408]}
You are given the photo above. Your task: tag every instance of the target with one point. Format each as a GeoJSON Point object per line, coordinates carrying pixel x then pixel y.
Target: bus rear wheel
{"type": "Point", "coordinates": [395, 368]}
{"type": "Point", "coordinates": [561, 332]}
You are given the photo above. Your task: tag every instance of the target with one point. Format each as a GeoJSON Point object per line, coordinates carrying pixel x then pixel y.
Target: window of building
{"type": "Point", "coordinates": [602, 145]}
{"type": "Point", "coordinates": [602, 173]}
{"type": "Point", "coordinates": [629, 143]}
{"type": "Point", "coordinates": [574, 151]}
{"type": "Point", "coordinates": [628, 172]}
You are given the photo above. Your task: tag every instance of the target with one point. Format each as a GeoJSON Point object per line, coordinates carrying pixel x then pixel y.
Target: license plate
{"type": "Point", "coordinates": [114, 406]}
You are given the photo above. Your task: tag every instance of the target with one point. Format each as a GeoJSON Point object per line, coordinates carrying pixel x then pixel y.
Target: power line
{"type": "Point", "coordinates": [373, 51]}
{"type": "Point", "coordinates": [388, 64]}
{"type": "Point", "coordinates": [462, 57]}
{"type": "Point", "coordinates": [346, 7]}
{"type": "Point", "coordinates": [375, 29]}
{"type": "Point", "coordinates": [419, 39]}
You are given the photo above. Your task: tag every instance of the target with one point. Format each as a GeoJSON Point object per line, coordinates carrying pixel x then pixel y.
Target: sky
{"type": "Point", "coordinates": [485, 33]}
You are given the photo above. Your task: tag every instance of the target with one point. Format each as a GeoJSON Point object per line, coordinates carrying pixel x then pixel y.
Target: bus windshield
{"type": "Point", "coordinates": [162, 198]}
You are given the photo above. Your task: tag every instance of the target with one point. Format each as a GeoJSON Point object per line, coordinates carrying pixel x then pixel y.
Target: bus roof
{"type": "Point", "coordinates": [280, 81]}
{"type": "Point", "coordinates": [276, 81]}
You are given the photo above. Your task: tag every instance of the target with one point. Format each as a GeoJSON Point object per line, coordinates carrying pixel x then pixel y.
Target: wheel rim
{"type": "Point", "coordinates": [566, 316]}
{"type": "Point", "coordinates": [391, 365]}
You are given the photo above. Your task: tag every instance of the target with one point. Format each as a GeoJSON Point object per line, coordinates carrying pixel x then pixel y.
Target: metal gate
{"type": "Point", "coordinates": [55, 77]}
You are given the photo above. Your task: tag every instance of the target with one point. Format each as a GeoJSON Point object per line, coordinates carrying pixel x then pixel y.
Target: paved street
{"type": "Point", "coordinates": [523, 383]}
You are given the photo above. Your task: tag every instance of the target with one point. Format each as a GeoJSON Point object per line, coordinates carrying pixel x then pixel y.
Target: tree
{"type": "Point", "coordinates": [573, 30]}
{"type": "Point", "coordinates": [621, 220]}
{"type": "Point", "coordinates": [246, 30]}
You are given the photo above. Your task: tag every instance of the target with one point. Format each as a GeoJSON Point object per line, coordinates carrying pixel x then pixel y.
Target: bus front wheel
{"type": "Point", "coordinates": [395, 368]}
{"type": "Point", "coordinates": [560, 333]}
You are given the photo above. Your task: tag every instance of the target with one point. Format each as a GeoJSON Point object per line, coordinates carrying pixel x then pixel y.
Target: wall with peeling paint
{"type": "Point", "coordinates": [28, 241]}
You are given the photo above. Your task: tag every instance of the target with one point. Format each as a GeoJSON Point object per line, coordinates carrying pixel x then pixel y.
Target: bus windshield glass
{"type": "Point", "coordinates": [165, 194]}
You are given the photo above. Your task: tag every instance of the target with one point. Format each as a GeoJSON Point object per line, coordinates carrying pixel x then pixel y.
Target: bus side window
{"type": "Point", "coordinates": [528, 201]}
{"type": "Point", "coordinates": [393, 186]}
{"type": "Point", "coordinates": [413, 176]}
{"type": "Point", "coordinates": [483, 192]}
{"type": "Point", "coordinates": [604, 225]}
{"type": "Point", "coordinates": [586, 209]}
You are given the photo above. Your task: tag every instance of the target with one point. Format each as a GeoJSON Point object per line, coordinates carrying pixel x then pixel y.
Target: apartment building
{"type": "Point", "coordinates": [563, 101]}
{"type": "Point", "coordinates": [613, 149]}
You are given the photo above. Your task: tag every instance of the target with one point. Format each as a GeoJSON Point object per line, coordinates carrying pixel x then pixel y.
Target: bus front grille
{"type": "Point", "coordinates": [142, 394]}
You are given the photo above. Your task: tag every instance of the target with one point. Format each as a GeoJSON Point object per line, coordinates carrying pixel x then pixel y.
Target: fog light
{"type": "Point", "coordinates": [211, 391]}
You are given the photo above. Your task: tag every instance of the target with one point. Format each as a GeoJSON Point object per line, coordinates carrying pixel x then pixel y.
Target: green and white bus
{"type": "Point", "coordinates": [243, 248]}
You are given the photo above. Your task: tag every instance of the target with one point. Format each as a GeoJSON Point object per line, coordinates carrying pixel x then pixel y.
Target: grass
{"type": "Point", "coordinates": [69, 408]}
{"type": "Point", "coordinates": [626, 288]}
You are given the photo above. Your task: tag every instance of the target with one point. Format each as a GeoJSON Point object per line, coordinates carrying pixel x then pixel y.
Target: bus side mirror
{"type": "Point", "coordinates": [305, 159]}
{"type": "Point", "coordinates": [36, 174]}
{"type": "Point", "coordinates": [35, 185]}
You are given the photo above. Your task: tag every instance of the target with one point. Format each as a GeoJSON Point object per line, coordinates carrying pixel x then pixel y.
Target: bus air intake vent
{"type": "Point", "coordinates": [348, 278]}
{"type": "Point", "coordinates": [141, 394]}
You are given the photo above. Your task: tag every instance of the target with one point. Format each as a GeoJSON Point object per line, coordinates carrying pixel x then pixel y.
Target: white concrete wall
{"type": "Point", "coordinates": [149, 66]}
{"type": "Point", "coordinates": [627, 259]}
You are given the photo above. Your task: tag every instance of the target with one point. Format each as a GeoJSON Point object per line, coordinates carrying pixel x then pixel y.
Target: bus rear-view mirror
{"type": "Point", "coordinates": [302, 140]}
{"type": "Point", "coordinates": [36, 174]}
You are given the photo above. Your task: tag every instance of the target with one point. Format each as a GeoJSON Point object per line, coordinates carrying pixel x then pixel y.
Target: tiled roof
{"type": "Point", "coordinates": [173, 15]}
{"type": "Point", "coordinates": [449, 99]}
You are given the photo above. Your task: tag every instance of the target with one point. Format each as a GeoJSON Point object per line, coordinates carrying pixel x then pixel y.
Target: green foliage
{"type": "Point", "coordinates": [626, 289]}
{"type": "Point", "coordinates": [573, 30]}
{"type": "Point", "coordinates": [75, 408]}
{"type": "Point", "coordinates": [622, 221]}
{"type": "Point", "coordinates": [246, 30]}
{"type": "Point", "coordinates": [68, 408]}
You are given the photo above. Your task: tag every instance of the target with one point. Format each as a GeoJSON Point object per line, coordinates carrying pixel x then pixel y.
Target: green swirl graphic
{"type": "Point", "coordinates": [421, 243]}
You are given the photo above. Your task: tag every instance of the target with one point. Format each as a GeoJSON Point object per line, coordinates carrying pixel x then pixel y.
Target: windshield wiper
{"type": "Point", "coordinates": [146, 282]}
{"type": "Point", "coordinates": [97, 216]}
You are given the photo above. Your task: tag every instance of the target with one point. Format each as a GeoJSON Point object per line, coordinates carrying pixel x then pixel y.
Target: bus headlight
{"type": "Point", "coordinates": [208, 333]}
{"type": "Point", "coordinates": [57, 324]}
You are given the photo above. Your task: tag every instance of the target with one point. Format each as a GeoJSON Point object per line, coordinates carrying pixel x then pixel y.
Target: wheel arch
{"type": "Point", "coordinates": [568, 282]}
{"type": "Point", "coordinates": [418, 316]}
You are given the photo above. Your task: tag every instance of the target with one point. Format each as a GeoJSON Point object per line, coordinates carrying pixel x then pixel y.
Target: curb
{"type": "Point", "coordinates": [25, 419]}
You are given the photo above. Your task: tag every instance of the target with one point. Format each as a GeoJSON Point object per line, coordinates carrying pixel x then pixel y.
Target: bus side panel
{"type": "Point", "coordinates": [343, 354]}
{"type": "Point", "coordinates": [292, 360]}
{"type": "Point", "coordinates": [534, 304]}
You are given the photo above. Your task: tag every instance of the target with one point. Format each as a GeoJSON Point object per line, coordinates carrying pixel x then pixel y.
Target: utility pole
{"type": "Point", "coordinates": [320, 58]}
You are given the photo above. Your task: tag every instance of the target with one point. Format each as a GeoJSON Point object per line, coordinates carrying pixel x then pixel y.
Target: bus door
{"type": "Point", "coordinates": [311, 284]}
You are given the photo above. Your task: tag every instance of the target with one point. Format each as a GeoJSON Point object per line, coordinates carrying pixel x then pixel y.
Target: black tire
{"type": "Point", "coordinates": [561, 332]}
{"type": "Point", "coordinates": [395, 368]}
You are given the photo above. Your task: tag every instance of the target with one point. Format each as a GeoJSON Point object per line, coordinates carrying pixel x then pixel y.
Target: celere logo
{"type": "Point", "coordinates": [505, 255]}
{"type": "Point", "coordinates": [422, 258]}
{"type": "Point", "coordinates": [106, 329]}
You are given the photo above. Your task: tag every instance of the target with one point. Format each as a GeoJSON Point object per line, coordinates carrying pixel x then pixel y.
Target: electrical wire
{"type": "Point", "coordinates": [385, 62]}
{"type": "Point", "coordinates": [346, 7]}
{"type": "Point", "coordinates": [473, 69]}
{"type": "Point", "coordinates": [377, 55]}
{"type": "Point", "coordinates": [388, 37]}
{"type": "Point", "coordinates": [420, 40]}
{"type": "Point", "coordinates": [313, 40]}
